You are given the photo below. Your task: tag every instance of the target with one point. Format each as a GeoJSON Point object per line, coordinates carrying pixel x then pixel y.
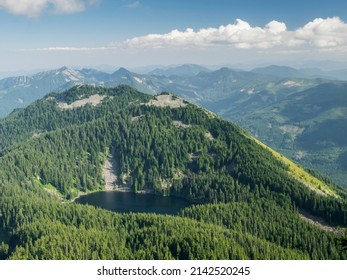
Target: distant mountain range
{"type": "Point", "coordinates": [185, 70]}
{"type": "Point", "coordinates": [301, 112]}
{"type": "Point", "coordinates": [309, 73]}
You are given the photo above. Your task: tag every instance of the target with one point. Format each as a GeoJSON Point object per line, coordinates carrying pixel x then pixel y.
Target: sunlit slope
{"type": "Point", "coordinates": [300, 174]}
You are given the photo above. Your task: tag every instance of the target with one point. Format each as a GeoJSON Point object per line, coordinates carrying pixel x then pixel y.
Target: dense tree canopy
{"type": "Point", "coordinates": [248, 202]}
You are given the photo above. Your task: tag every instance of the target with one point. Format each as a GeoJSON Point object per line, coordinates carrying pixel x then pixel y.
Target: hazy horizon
{"type": "Point", "coordinates": [328, 66]}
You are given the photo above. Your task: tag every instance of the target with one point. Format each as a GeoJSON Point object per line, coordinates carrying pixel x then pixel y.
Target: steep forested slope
{"type": "Point", "coordinates": [268, 102]}
{"type": "Point", "coordinates": [250, 198]}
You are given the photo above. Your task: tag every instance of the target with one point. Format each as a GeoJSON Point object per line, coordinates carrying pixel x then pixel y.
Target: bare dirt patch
{"type": "Point", "coordinates": [181, 124]}
{"type": "Point", "coordinates": [292, 84]}
{"type": "Point", "coordinates": [110, 176]}
{"type": "Point", "coordinates": [136, 118]}
{"type": "Point", "coordinates": [110, 171]}
{"type": "Point", "coordinates": [193, 156]}
{"type": "Point", "coordinates": [318, 222]}
{"type": "Point", "coordinates": [167, 100]}
{"type": "Point", "coordinates": [292, 130]}
{"type": "Point", "coordinates": [93, 100]}
{"type": "Point", "coordinates": [209, 136]}
{"type": "Point", "coordinates": [36, 134]}
{"type": "Point", "coordinates": [300, 155]}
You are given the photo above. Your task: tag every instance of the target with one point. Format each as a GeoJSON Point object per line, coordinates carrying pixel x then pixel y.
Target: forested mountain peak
{"type": "Point", "coordinates": [57, 148]}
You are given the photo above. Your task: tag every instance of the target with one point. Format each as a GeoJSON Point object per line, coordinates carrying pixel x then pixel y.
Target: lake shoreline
{"type": "Point", "coordinates": [122, 190]}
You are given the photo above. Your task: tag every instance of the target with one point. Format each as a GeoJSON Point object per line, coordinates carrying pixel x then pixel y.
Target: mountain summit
{"type": "Point", "coordinates": [250, 201]}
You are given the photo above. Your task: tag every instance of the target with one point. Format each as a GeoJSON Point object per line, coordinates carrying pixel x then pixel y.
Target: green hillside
{"type": "Point", "coordinates": [309, 126]}
{"type": "Point", "coordinates": [251, 203]}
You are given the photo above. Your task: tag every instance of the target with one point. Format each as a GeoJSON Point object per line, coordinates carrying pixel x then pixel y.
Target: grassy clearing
{"type": "Point", "coordinates": [93, 100]}
{"type": "Point", "coordinates": [167, 100]}
{"type": "Point", "coordinates": [48, 188]}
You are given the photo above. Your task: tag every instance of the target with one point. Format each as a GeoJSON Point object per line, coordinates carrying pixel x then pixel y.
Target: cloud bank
{"type": "Point", "coordinates": [318, 35]}
{"type": "Point", "coordinates": [324, 34]}
{"type": "Point", "coordinates": [34, 8]}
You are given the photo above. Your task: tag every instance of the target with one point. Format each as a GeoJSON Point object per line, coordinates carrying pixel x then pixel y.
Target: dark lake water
{"type": "Point", "coordinates": [126, 202]}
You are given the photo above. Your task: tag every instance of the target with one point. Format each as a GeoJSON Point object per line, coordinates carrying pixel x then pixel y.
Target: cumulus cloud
{"type": "Point", "coordinates": [34, 8]}
{"type": "Point", "coordinates": [240, 35]}
{"type": "Point", "coordinates": [323, 33]}
{"type": "Point", "coordinates": [319, 34]}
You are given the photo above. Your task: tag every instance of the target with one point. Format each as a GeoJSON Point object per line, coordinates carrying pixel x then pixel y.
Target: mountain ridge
{"type": "Point", "coordinates": [170, 147]}
{"type": "Point", "coordinates": [20, 91]}
{"type": "Point", "coordinates": [233, 94]}
{"type": "Point", "coordinates": [185, 70]}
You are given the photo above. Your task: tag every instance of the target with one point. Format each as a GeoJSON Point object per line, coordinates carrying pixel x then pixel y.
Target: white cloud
{"type": "Point", "coordinates": [323, 33]}
{"type": "Point", "coordinates": [320, 34]}
{"type": "Point", "coordinates": [240, 35]}
{"type": "Point", "coordinates": [276, 27]}
{"type": "Point", "coordinates": [34, 8]}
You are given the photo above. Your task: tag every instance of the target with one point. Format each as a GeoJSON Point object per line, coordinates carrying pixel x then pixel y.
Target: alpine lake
{"type": "Point", "coordinates": [126, 202]}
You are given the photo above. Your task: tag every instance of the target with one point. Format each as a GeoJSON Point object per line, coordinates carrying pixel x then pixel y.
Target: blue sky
{"type": "Point", "coordinates": [48, 34]}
